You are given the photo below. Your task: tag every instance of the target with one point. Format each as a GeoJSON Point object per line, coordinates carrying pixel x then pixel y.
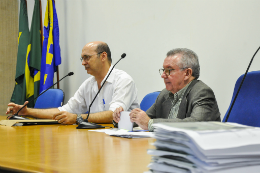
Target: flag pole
{"type": "Point", "coordinates": [58, 85]}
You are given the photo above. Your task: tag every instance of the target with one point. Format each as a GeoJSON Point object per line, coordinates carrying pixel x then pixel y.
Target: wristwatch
{"type": "Point", "coordinates": [79, 119]}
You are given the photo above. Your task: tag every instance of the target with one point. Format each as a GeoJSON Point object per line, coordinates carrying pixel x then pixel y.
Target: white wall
{"type": "Point", "coordinates": [224, 33]}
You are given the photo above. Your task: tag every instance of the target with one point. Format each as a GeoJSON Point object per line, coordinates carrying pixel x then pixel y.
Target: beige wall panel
{"type": "Point", "coordinates": [8, 50]}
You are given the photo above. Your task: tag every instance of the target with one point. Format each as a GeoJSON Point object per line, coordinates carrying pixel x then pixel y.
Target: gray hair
{"type": "Point", "coordinates": [189, 60]}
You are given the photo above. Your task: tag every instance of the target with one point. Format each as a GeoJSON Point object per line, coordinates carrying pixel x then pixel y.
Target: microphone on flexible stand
{"type": "Point", "coordinates": [87, 125]}
{"type": "Point", "coordinates": [17, 117]}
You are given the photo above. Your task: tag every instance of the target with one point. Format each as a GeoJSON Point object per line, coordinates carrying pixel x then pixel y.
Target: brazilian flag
{"type": "Point", "coordinates": [29, 57]}
{"type": "Point", "coordinates": [18, 95]}
{"type": "Point", "coordinates": [36, 48]}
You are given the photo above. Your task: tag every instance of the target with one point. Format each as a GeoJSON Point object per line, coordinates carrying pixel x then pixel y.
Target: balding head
{"type": "Point", "coordinates": [99, 46]}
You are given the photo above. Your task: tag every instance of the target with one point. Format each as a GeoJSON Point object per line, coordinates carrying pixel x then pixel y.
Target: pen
{"type": "Point", "coordinates": [104, 103]}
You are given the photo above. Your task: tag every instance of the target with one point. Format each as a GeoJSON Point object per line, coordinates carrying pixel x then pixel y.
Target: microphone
{"type": "Point", "coordinates": [241, 85]}
{"type": "Point", "coordinates": [69, 74]}
{"type": "Point", "coordinates": [16, 116]}
{"type": "Point", "coordinates": [87, 125]}
{"type": "Point", "coordinates": [123, 56]}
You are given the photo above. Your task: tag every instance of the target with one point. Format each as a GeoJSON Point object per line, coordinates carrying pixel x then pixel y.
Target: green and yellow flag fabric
{"type": "Point", "coordinates": [36, 49]}
{"type": "Point", "coordinates": [28, 57]}
{"type": "Point", "coordinates": [28, 87]}
{"type": "Point", "coordinates": [18, 95]}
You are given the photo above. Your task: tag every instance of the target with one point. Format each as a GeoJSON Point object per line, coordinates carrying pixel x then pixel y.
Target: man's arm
{"type": "Point", "coordinates": [36, 113]}
{"type": "Point", "coordinates": [104, 117]}
{"type": "Point", "coordinates": [64, 117]}
{"type": "Point", "coordinates": [151, 112]}
{"type": "Point", "coordinates": [42, 113]}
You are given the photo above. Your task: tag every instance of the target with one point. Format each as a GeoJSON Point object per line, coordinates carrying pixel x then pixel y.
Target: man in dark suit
{"type": "Point", "coordinates": [184, 99]}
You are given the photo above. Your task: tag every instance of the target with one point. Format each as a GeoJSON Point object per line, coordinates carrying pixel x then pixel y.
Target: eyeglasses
{"type": "Point", "coordinates": [87, 57]}
{"type": "Point", "coordinates": [168, 71]}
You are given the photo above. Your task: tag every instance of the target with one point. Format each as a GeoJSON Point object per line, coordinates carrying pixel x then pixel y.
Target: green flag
{"type": "Point", "coordinates": [36, 48]}
{"type": "Point", "coordinates": [18, 95]}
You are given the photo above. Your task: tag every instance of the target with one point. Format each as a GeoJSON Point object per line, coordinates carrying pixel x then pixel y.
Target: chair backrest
{"type": "Point", "coordinates": [246, 109]}
{"type": "Point", "coordinates": [149, 100]}
{"type": "Point", "coordinates": [52, 98]}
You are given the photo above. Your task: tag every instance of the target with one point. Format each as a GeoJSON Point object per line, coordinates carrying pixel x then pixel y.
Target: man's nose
{"type": "Point", "coordinates": [84, 62]}
{"type": "Point", "coordinates": [164, 75]}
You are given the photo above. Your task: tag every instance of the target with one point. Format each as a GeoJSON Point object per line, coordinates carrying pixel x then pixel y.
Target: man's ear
{"type": "Point", "coordinates": [188, 73]}
{"type": "Point", "coordinates": [103, 56]}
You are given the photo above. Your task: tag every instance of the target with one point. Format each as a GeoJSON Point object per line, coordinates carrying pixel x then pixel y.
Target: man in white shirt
{"type": "Point", "coordinates": [118, 91]}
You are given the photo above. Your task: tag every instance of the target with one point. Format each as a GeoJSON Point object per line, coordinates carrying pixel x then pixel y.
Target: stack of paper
{"type": "Point", "coordinates": [125, 133]}
{"type": "Point", "coordinates": [205, 147]}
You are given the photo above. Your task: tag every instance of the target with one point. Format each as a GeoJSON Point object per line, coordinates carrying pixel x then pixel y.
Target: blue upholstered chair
{"type": "Point", "coordinates": [149, 100]}
{"type": "Point", "coordinates": [52, 98]}
{"type": "Point", "coordinates": [246, 109]}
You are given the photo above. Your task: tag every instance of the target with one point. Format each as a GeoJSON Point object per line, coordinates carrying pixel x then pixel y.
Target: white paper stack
{"type": "Point", "coordinates": [206, 147]}
{"type": "Point", "coordinates": [136, 133]}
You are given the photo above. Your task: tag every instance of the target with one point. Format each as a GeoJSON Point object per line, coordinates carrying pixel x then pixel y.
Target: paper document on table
{"type": "Point", "coordinates": [205, 147]}
{"type": "Point", "coordinates": [125, 134]}
{"type": "Point", "coordinates": [212, 135]}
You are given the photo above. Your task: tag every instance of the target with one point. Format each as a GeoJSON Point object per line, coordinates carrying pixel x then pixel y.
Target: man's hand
{"type": "Point", "coordinates": [140, 117]}
{"type": "Point", "coordinates": [14, 108]}
{"type": "Point", "coordinates": [116, 114]}
{"type": "Point", "coordinates": [64, 117]}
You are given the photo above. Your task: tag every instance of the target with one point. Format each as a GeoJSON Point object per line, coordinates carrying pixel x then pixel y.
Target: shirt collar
{"type": "Point", "coordinates": [180, 93]}
{"type": "Point", "coordinates": [111, 76]}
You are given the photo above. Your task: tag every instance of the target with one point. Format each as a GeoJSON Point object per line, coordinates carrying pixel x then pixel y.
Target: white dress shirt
{"type": "Point", "coordinates": [119, 90]}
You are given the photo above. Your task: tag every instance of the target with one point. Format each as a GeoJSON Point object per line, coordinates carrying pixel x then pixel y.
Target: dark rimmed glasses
{"type": "Point", "coordinates": [87, 57]}
{"type": "Point", "coordinates": [168, 71]}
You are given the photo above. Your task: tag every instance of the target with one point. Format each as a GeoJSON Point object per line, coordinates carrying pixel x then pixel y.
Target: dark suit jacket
{"type": "Point", "coordinates": [198, 104]}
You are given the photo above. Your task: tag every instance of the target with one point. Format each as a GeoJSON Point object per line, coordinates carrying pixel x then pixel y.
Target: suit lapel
{"type": "Point", "coordinates": [183, 106]}
{"type": "Point", "coordinates": [166, 107]}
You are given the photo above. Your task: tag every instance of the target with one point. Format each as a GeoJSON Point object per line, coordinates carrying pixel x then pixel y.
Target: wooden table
{"type": "Point", "coordinates": [63, 148]}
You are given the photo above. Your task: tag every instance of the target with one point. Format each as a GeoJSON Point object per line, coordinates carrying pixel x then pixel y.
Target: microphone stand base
{"type": "Point", "coordinates": [87, 125]}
